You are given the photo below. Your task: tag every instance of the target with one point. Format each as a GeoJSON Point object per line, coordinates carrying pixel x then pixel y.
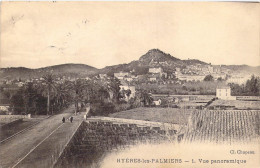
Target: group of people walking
{"type": "Point", "coordinates": [71, 119]}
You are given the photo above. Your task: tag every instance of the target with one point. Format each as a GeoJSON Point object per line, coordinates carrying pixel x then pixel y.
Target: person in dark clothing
{"type": "Point", "coordinates": [71, 119]}
{"type": "Point", "coordinates": [63, 120]}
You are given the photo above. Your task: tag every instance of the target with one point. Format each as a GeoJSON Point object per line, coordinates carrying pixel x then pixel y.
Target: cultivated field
{"type": "Point", "coordinates": [167, 115]}
{"type": "Point", "coordinates": [223, 126]}
{"type": "Point", "coordinates": [239, 104]}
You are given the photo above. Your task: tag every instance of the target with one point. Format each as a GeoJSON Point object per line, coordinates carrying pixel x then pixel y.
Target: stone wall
{"type": "Point", "coordinates": [94, 140]}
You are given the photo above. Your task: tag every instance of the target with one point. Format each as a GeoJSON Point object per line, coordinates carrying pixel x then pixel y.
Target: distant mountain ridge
{"type": "Point", "coordinates": [77, 70]}
{"type": "Point", "coordinates": [153, 58]}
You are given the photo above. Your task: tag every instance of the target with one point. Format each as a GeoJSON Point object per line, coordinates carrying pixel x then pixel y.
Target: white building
{"type": "Point", "coordinates": [152, 79]}
{"type": "Point", "coordinates": [4, 107]}
{"type": "Point", "coordinates": [129, 79]}
{"type": "Point", "coordinates": [224, 93]}
{"type": "Point", "coordinates": [121, 75]}
{"type": "Point", "coordinates": [157, 102]}
{"type": "Point", "coordinates": [156, 70]}
{"type": "Point", "coordinates": [190, 77]}
{"type": "Point", "coordinates": [102, 76]}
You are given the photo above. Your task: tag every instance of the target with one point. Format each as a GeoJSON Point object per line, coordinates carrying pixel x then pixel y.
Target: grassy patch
{"type": "Point", "coordinates": [167, 115]}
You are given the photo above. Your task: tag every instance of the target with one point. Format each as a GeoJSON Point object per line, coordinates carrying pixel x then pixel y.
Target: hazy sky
{"type": "Point", "coordinates": [38, 34]}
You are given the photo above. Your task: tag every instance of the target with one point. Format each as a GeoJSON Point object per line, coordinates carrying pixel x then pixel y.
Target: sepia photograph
{"type": "Point", "coordinates": [129, 84]}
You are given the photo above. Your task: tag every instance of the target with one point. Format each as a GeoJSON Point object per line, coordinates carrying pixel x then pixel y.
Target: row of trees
{"type": "Point", "coordinates": [251, 88]}
{"type": "Point", "coordinates": [50, 96]}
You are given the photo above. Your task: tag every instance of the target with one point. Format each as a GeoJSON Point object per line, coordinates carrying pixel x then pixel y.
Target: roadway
{"type": "Point", "coordinates": [14, 151]}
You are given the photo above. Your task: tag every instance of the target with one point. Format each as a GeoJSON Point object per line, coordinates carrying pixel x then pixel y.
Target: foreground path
{"type": "Point", "coordinates": [34, 146]}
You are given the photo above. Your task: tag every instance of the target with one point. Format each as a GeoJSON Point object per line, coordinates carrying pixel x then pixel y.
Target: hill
{"type": "Point", "coordinates": [72, 70]}
{"type": "Point", "coordinates": [153, 58]}
{"type": "Point", "coordinates": [243, 68]}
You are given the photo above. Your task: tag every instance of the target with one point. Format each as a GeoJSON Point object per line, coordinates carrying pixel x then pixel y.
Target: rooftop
{"type": "Point", "coordinates": [223, 87]}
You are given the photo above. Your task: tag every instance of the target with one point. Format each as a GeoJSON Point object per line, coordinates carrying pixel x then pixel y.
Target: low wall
{"type": "Point", "coordinates": [93, 140]}
{"type": "Point", "coordinates": [137, 122]}
{"type": "Point", "coordinates": [8, 117]}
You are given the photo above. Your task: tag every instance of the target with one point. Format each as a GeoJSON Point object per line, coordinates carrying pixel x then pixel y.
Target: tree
{"type": "Point", "coordinates": [236, 90]}
{"type": "Point", "coordinates": [128, 93]}
{"type": "Point", "coordinates": [30, 96]}
{"type": "Point", "coordinates": [125, 93]}
{"type": "Point", "coordinates": [49, 88]}
{"type": "Point", "coordinates": [77, 87]}
{"type": "Point", "coordinates": [102, 93]}
{"type": "Point", "coordinates": [145, 98]}
{"type": "Point", "coordinates": [253, 86]}
{"type": "Point", "coordinates": [113, 87]}
{"type": "Point", "coordinates": [220, 79]}
{"type": "Point", "coordinates": [62, 96]}
{"type": "Point", "coordinates": [209, 78]}
{"type": "Point", "coordinates": [17, 102]}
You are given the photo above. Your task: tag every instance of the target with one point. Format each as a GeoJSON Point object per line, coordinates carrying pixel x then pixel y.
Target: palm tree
{"type": "Point", "coordinates": [62, 96]}
{"type": "Point", "coordinates": [145, 98]}
{"type": "Point", "coordinates": [113, 87]}
{"type": "Point", "coordinates": [77, 87]}
{"type": "Point", "coordinates": [49, 87]}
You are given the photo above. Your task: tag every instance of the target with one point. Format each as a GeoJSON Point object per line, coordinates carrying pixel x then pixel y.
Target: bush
{"type": "Point", "coordinates": [102, 109]}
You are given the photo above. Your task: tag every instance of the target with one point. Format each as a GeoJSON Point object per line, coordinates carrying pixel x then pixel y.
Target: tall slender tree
{"type": "Point", "coordinates": [62, 96]}
{"type": "Point", "coordinates": [30, 96]}
{"type": "Point", "coordinates": [113, 87]}
{"type": "Point", "coordinates": [49, 88]}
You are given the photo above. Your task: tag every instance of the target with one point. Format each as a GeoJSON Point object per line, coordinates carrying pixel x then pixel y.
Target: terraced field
{"type": "Point", "coordinates": [223, 126]}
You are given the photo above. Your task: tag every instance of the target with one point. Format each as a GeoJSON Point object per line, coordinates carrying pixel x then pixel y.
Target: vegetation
{"type": "Point", "coordinates": [49, 87]}
{"type": "Point", "coordinates": [251, 88]}
{"type": "Point", "coordinates": [51, 95]}
{"type": "Point", "coordinates": [187, 88]}
{"type": "Point", "coordinates": [209, 78]}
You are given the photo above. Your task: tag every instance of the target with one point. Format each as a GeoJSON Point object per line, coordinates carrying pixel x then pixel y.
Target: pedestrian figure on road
{"type": "Point", "coordinates": [63, 120]}
{"type": "Point", "coordinates": [71, 119]}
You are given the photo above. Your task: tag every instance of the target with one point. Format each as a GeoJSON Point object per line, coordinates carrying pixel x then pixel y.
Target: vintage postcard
{"type": "Point", "coordinates": [129, 84]}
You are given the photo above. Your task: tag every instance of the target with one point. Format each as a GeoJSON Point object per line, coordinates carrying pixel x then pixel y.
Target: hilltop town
{"type": "Point", "coordinates": [157, 99]}
{"type": "Point", "coordinates": [155, 73]}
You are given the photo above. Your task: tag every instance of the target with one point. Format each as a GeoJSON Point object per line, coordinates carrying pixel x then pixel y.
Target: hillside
{"type": "Point", "coordinates": [243, 68]}
{"type": "Point", "coordinates": [158, 56]}
{"type": "Point", "coordinates": [72, 70]}
{"type": "Point", "coordinates": [153, 58]}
